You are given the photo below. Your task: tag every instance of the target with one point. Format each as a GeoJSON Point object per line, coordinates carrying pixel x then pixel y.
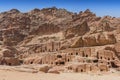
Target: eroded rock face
{"type": "Point", "coordinates": [77, 30]}
{"type": "Point", "coordinates": [94, 40]}
{"type": "Point", "coordinates": [11, 37]}
{"type": "Point", "coordinates": [46, 29]}
{"type": "Point", "coordinates": [9, 56]}
{"type": "Point", "coordinates": [33, 60]}
{"type": "Point", "coordinates": [106, 39]}
{"type": "Point", "coordinates": [11, 61]}
{"type": "Point", "coordinates": [44, 68]}
{"type": "Point", "coordinates": [59, 38]}
{"type": "Point", "coordinates": [77, 43]}
{"type": "Point", "coordinates": [89, 41]}
{"type": "Point", "coordinates": [7, 51]}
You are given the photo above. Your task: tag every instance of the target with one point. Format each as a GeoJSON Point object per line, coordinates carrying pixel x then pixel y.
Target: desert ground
{"type": "Point", "coordinates": [63, 44]}
{"type": "Point", "coordinates": [14, 75]}
{"type": "Point", "coordinates": [8, 73]}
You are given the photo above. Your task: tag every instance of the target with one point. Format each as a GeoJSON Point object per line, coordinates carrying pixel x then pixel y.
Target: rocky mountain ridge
{"type": "Point", "coordinates": [58, 37]}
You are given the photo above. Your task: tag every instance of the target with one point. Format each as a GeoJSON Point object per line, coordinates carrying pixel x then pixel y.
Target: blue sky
{"type": "Point", "coordinates": [100, 7]}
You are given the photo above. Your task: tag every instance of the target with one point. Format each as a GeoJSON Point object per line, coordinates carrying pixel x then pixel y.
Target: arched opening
{"type": "Point", "coordinates": [100, 57]}
{"type": "Point", "coordinates": [113, 58]}
{"type": "Point", "coordinates": [95, 61]}
{"type": "Point", "coordinates": [81, 70]}
{"type": "Point", "coordinates": [114, 65]}
{"type": "Point", "coordinates": [68, 60]}
{"type": "Point", "coordinates": [59, 56]}
{"type": "Point", "coordinates": [31, 62]}
{"type": "Point", "coordinates": [9, 64]}
{"type": "Point", "coordinates": [21, 61]}
{"type": "Point", "coordinates": [71, 53]}
{"type": "Point", "coordinates": [101, 70]}
{"type": "Point", "coordinates": [76, 53]}
{"type": "Point", "coordinates": [108, 58]}
{"type": "Point", "coordinates": [56, 63]}
{"type": "Point", "coordinates": [86, 55]}
{"type": "Point", "coordinates": [62, 63]}
{"type": "Point", "coordinates": [56, 49]}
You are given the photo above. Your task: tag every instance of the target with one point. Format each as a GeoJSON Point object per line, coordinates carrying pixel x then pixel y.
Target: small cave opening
{"type": "Point", "coordinates": [62, 63]}
{"type": "Point", "coordinates": [113, 58]}
{"type": "Point", "coordinates": [101, 70]}
{"type": "Point", "coordinates": [31, 62]}
{"type": "Point", "coordinates": [9, 64]}
{"type": "Point", "coordinates": [56, 49]}
{"type": "Point", "coordinates": [76, 53]}
{"type": "Point", "coordinates": [59, 56]}
{"type": "Point", "coordinates": [56, 63]}
{"type": "Point", "coordinates": [95, 61]}
{"type": "Point", "coordinates": [81, 70]}
{"type": "Point", "coordinates": [68, 60]}
{"type": "Point", "coordinates": [21, 61]}
{"type": "Point", "coordinates": [86, 55]}
{"type": "Point", "coordinates": [114, 65]}
{"type": "Point", "coordinates": [108, 58]}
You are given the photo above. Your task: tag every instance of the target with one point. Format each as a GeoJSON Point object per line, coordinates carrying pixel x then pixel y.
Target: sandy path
{"type": "Point", "coordinates": [14, 75]}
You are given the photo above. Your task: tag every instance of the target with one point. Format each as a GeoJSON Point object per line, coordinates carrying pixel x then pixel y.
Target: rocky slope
{"type": "Point", "coordinates": [24, 37]}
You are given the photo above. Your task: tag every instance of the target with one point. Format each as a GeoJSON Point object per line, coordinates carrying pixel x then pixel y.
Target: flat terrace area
{"type": "Point", "coordinates": [8, 74]}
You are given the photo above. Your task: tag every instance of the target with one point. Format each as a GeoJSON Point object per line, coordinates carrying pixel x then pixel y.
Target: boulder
{"type": "Point", "coordinates": [44, 68]}
{"type": "Point", "coordinates": [55, 71]}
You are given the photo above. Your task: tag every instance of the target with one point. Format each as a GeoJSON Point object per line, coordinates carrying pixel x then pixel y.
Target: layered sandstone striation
{"type": "Point", "coordinates": [59, 40]}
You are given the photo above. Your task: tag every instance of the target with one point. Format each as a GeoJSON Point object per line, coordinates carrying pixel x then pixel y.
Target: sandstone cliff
{"type": "Point", "coordinates": [58, 37]}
